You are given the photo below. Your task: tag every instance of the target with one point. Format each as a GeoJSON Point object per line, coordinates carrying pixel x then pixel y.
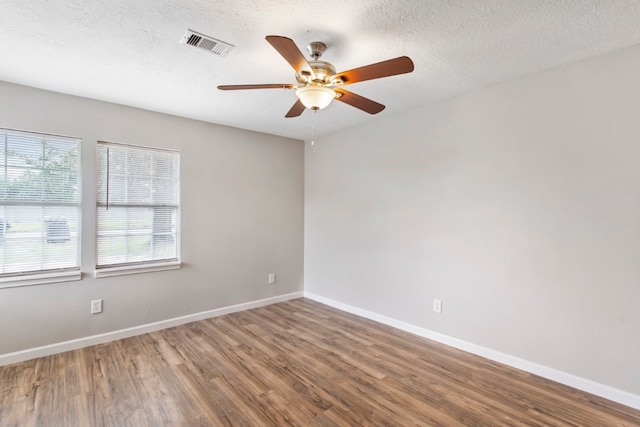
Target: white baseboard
{"type": "Point", "coordinates": [607, 392]}
{"type": "Point", "coordinates": [47, 350]}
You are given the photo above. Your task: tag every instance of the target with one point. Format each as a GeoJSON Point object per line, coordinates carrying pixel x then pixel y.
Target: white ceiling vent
{"type": "Point", "coordinates": [201, 41]}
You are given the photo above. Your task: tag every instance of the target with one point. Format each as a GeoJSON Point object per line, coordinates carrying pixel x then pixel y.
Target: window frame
{"type": "Point", "coordinates": [125, 268]}
{"type": "Point", "coordinates": [45, 276]}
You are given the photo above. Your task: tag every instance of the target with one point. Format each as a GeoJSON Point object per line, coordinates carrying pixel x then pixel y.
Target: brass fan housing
{"type": "Point", "coordinates": [322, 70]}
{"type": "Point", "coordinates": [322, 73]}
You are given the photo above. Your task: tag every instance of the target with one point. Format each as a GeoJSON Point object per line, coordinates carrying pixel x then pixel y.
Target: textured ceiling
{"type": "Point", "coordinates": [127, 51]}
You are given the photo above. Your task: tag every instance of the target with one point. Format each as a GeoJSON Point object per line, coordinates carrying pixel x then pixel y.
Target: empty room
{"type": "Point", "coordinates": [266, 213]}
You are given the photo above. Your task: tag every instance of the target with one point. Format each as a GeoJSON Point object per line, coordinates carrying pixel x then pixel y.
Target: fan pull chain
{"type": "Point", "coordinates": [313, 130]}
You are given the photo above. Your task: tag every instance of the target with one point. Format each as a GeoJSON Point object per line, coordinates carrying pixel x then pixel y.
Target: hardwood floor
{"type": "Point", "coordinates": [295, 363]}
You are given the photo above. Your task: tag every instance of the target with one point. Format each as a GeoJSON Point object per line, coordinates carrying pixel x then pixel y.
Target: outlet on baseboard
{"type": "Point", "coordinates": [96, 306]}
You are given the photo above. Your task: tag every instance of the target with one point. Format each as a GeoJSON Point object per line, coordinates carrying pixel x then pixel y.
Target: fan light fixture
{"type": "Point", "coordinates": [315, 97]}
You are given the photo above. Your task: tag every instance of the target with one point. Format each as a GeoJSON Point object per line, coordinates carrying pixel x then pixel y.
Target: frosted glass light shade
{"type": "Point", "coordinates": [315, 97]}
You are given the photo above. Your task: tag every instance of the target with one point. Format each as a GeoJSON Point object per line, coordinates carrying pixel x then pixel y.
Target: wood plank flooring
{"type": "Point", "coordinates": [297, 363]}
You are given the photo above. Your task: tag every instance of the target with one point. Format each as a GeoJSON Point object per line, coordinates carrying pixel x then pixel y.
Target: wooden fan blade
{"type": "Point", "coordinates": [390, 67]}
{"type": "Point", "coordinates": [290, 52]}
{"type": "Point", "coordinates": [256, 86]}
{"type": "Point", "coordinates": [296, 110]}
{"type": "Point", "coordinates": [360, 102]}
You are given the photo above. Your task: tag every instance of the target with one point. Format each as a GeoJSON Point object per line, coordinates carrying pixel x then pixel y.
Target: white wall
{"type": "Point", "coordinates": [242, 218]}
{"type": "Point", "coordinates": [517, 205]}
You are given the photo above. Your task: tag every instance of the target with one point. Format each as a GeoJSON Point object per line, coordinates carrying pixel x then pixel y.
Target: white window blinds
{"type": "Point", "coordinates": [40, 204]}
{"type": "Point", "coordinates": [138, 205]}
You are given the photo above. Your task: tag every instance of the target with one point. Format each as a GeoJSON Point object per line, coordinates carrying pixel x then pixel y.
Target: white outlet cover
{"type": "Point", "coordinates": [437, 306]}
{"type": "Point", "coordinates": [96, 306]}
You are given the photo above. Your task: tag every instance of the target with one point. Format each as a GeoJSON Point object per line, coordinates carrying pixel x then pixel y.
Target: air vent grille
{"type": "Point", "coordinates": [193, 40]}
{"type": "Point", "coordinates": [207, 43]}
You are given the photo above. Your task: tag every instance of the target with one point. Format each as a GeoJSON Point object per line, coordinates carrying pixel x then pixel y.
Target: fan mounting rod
{"type": "Point", "coordinates": [316, 49]}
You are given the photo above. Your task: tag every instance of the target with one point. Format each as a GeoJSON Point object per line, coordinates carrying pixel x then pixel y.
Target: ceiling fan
{"type": "Point", "coordinates": [319, 84]}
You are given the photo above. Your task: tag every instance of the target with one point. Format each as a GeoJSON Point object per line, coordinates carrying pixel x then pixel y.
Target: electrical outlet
{"type": "Point", "coordinates": [272, 278]}
{"type": "Point", "coordinates": [96, 306]}
{"type": "Point", "coordinates": [437, 306]}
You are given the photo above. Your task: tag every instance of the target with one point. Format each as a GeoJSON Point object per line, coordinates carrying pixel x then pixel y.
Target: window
{"type": "Point", "coordinates": [138, 205]}
{"type": "Point", "coordinates": [40, 208]}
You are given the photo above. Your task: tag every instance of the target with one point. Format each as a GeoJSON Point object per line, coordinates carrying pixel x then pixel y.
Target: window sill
{"type": "Point", "coordinates": [136, 269]}
{"type": "Point", "coordinates": [40, 279]}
